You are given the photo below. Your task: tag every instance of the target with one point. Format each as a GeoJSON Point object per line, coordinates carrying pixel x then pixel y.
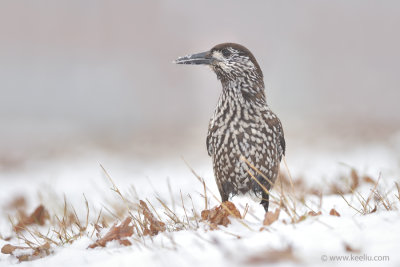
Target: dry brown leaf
{"type": "Point", "coordinates": [8, 249]}
{"type": "Point", "coordinates": [335, 189]}
{"type": "Point", "coordinates": [273, 256]}
{"type": "Point", "coordinates": [334, 212]}
{"type": "Point", "coordinates": [271, 217]}
{"type": "Point", "coordinates": [369, 180]}
{"type": "Point", "coordinates": [219, 214]}
{"type": "Point", "coordinates": [116, 233]}
{"type": "Point", "coordinates": [343, 188]}
{"type": "Point", "coordinates": [7, 238]}
{"type": "Point", "coordinates": [125, 242]}
{"type": "Point", "coordinates": [351, 249]}
{"type": "Point", "coordinates": [313, 213]}
{"type": "Point", "coordinates": [373, 210]}
{"type": "Point", "coordinates": [300, 219]}
{"type": "Point", "coordinates": [27, 253]}
{"type": "Point", "coordinates": [18, 203]}
{"type": "Point", "coordinates": [231, 209]}
{"type": "Point", "coordinates": [152, 226]}
{"type": "Point", "coordinates": [39, 216]}
{"type": "Point", "coordinates": [355, 179]}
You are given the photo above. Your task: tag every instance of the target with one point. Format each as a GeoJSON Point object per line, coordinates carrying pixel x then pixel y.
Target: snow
{"type": "Point", "coordinates": [374, 234]}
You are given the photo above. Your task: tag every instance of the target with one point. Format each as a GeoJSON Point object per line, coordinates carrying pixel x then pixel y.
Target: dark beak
{"type": "Point", "coordinates": [195, 59]}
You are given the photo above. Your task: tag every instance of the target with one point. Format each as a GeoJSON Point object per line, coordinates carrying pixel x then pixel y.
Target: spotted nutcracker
{"type": "Point", "coordinates": [245, 138]}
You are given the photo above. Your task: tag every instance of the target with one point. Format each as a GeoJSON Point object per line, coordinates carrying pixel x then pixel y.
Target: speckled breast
{"type": "Point", "coordinates": [243, 146]}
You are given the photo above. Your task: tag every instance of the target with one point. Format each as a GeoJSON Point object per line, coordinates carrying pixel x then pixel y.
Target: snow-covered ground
{"type": "Point", "coordinates": [371, 239]}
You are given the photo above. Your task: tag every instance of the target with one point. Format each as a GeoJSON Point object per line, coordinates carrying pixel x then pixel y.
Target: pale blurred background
{"type": "Point", "coordinates": [100, 73]}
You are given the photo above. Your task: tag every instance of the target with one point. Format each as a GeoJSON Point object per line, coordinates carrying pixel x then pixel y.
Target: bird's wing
{"type": "Point", "coordinates": [276, 123]}
{"type": "Point", "coordinates": [281, 137]}
{"type": "Point", "coordinates": [211, 129]}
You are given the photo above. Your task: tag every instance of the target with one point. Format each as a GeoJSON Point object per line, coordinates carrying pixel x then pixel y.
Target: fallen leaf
{"type": "Point", "coordinates": [373, 210]}
{"type": "Point", "coordinates": [39, 216]}
{"type": "Point", "coordinates": [271, 217]}
{"type": "Point", "coordinates": [313, 213]}
{"type": "Point", "coordinates": [334, 212]}
{"type": "Point", "coordinates": [219, 214]}
{"type": "Point", "coordinates": [18, 203]}
{"type": "Point", "coordinates": [369, 180]}
{"type": "Point", "coordinates": [8, 249]}
{"type": "Point", "coordinates": [27, 253]}
{"type": "Point", "coordinates": [300, 219]}
{"type": "Point", "coordinates": [152, 226]}
{"type": "Point", "coordinates": [273, 256]}
{"type": "Point", "coordinates": [351, 249]}
{"type": "Point", "coordinates": [335, 189]}
{"type": "Point", "coordinates": [116, 233]}
{"type": "Point", "coordinates": [355, 179]}
{"type": "Point", "coordinates": [125, 242]}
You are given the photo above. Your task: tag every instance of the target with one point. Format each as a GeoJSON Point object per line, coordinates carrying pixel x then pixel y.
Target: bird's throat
{"type": "Point", "coordinates": [252, 93]}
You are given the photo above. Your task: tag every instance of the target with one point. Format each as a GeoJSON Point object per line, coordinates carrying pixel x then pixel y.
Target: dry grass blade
{"type": "Point", "coordinates": [288, 171]}
{"type": "Point", "coordinates": [256, 170]}
{"type": "Point", "coordinates": [371, 193]}
{"type": "Point", "coordinates": [115, 188]}
{"type": "Point", "coordinates": [170, 193]}
{"type": "Point", "coordinates": [383, 199]}
{"type": "Point", "coordinates": [184, 209]}
{"type": "Point", "coordinates": [246, 210]}
{"type": "Point", "coordinates": [170, 213]}
{"type": "Point", "coordinates": [194, 212]}
{"type": "Point", "coordinates": [351, 206]}
{"type": "Point", "coordinates": [398, 191]}
{"type": "Point", "coordinates": [205, 195]}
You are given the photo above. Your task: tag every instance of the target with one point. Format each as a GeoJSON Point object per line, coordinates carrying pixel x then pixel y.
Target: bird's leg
{"type": "Point", "coordinates": [224, 197]}
{"type": "Point", "coordinates": [265, 200]}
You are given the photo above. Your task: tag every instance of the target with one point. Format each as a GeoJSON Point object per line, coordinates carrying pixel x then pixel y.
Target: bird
{"type": "Point", "coordinates": [245, 138]}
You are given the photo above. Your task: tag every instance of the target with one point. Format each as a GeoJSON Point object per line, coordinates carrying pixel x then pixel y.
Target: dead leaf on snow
{"type": "Point", "coordinates": [369, 180]}
{"type": "Point", "coordinates": [334, 212]}
{"type": "Point", "coordinates": [273, 256]}
{"type": "Point", "coordinates": [351, 249]}
{"type": "Point", "coordinates": [27, 253]}
{"type": "Point", "coordinates": [18, 203]}
{"type": "Point", "coordinates": [313, 213]}
{"type": "Point", "coordinates": [152, 226]}
{"type": "Point", "coordinates": [219, 214]}
{"type": "Point", "coordinates": [116, 233]}
{"type": "Point", "coordinates": [355, 179]}
{"type": "Point", "coordinates": [39, 216]}
{"type": "Point", "coordinates": [271, 217]}
{"type": "Point", "coordinates": [373, 210]}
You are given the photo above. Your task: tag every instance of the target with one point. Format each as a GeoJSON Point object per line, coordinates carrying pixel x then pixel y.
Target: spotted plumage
{"type": "Point", "coordinates": [245, 138]}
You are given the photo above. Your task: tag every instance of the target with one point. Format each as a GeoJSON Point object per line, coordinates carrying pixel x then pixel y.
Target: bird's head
{"type": "Point", "coordinates": [229, 61]}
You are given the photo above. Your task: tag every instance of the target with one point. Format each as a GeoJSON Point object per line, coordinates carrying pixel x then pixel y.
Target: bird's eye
{"type": "Point", "coordinates": [226, 52]}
